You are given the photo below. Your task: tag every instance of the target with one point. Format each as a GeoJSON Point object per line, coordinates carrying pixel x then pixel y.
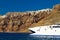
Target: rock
{"type": "Point", "coordinates": [56, 7]}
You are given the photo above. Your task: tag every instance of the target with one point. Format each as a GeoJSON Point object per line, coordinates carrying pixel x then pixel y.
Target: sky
{"type": "Point", "coordinates": [25, 5]}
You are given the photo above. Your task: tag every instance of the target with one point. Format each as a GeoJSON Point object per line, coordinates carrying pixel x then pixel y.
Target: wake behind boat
{"type": "Point", "coordinates": [46, 30]}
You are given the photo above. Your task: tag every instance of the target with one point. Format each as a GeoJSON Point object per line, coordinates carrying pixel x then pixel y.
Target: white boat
{"type": "Point", "coordinates": [46, 30]}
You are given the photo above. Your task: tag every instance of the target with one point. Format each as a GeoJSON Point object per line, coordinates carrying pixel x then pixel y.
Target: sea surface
{"type": "Point", "coordinates": [26, 36]}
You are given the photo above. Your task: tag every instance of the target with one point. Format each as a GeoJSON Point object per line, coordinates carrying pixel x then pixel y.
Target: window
{"type": "Point", "coordinates": [56, 26]}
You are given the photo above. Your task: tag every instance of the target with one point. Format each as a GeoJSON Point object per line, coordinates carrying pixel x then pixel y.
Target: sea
{"type": "Point", "coordinates": [26, 36]}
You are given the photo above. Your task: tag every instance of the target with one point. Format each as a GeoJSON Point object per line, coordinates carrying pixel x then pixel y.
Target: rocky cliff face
{"type": "Point", "coordinates": [21, 21]}
{"type": "Point", "coordinates": [53, 18]}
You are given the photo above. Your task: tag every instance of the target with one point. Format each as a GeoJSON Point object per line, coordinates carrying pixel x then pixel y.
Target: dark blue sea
{"type": "Point", "coordinates": [26, 36]}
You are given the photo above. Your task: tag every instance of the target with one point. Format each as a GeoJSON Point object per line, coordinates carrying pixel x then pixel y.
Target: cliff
{"type": "Point", "coordinates": [21, 21]}
{"type": "Point", "coordinates": [53, 18]}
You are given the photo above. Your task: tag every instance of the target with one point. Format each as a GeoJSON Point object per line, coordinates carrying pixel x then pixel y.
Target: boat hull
{"type": "Point", "coordinates": [43, 34]}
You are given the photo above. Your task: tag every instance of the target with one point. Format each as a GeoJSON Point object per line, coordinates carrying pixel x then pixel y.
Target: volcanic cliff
{"type": "Point", "coordinates": [21, 21]}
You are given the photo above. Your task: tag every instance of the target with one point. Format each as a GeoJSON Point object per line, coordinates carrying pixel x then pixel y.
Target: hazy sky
{"type": "Point", "coordinates": [25, 5]}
